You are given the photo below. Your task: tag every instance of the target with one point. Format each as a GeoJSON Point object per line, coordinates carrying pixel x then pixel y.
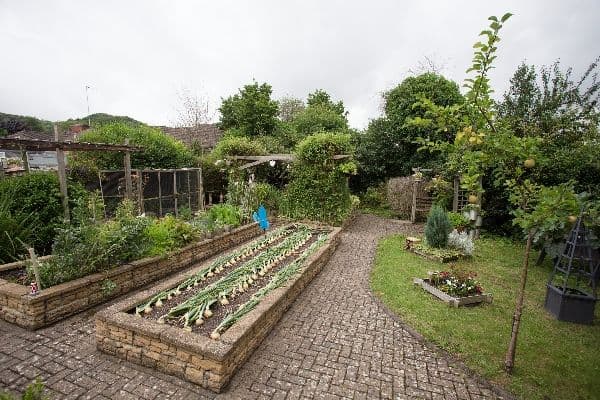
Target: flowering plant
{"type": "Point", "coordinates": [456, 283]}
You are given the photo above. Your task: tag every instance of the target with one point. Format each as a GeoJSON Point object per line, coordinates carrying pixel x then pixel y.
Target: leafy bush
{"type": "Point", "coordinates": [16, 229]}
{"type": "Point", "coordinates": [39, 194]}
{"type": "Point", "coordinates": [458, 220]}
{"type": "Point", "coordinates": [90, 247]}
{"type": "Point", "coordinates": [437, 228]}
{"type": "Point", "coordinates": [319, 189]}
{"type": "Point", "coordinates": [34, 391]}
{"type": "Point", "coordinates": [160, 150]}
{"type": "Point", "coordinates": [374, 197]}
{"type": "Point", "coordinates": [237, 146]}
{"type": "Point", "coordinates": [267, 195]}
{"type": "Point", "coordinates": [225, 214]}
{"type": "Point", "coordinates": [461, 241]}
{"type": "Point", "coordinates": [169, 233]}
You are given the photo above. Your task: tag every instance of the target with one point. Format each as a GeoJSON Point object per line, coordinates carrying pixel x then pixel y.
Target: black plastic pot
{"type": "Point", "coordinates": [572, 305]}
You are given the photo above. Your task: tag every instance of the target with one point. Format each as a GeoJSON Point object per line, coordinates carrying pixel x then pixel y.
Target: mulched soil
{"type": "Point", "coordinates": [15, 276]}
{"type": "Point", "coordinates": [219, 310]}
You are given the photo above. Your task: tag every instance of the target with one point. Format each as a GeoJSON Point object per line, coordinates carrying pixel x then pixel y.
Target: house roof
{"type": "Point", "coordinates": [35, 135]}
{"type": "Point", "coordinates": [206, 135]}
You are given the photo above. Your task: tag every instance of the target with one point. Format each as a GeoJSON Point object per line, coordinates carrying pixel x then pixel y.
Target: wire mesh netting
{"type": "Point", "coordinates": [157, 192]}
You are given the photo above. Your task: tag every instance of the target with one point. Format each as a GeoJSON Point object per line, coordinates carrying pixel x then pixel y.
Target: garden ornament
{"type": "Point", "coordinates": [260, 216]}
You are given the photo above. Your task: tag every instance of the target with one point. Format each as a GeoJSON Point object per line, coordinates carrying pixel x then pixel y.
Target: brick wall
{"type": "Point", "coordinates": [57, 302]}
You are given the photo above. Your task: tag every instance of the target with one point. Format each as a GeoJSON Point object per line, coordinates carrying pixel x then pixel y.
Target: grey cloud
{"type": "Point", "coordinates": [137, 54]}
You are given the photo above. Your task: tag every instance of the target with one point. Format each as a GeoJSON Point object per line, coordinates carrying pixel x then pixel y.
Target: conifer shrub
{"type": "Point", "coordinates": [437, 228]}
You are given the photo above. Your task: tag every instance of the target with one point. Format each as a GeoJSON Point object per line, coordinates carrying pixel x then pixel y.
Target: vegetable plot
{"type": "Point", "coordinates": [217, 296]}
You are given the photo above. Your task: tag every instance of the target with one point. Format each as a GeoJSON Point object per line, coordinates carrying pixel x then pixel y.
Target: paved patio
{"type": "Point", "coordinates": [336, 342]}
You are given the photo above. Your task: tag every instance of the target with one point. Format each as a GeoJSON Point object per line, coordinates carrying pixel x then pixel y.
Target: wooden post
{"type": "Point", "coordinates": [36, 266]}
{"type": "Point", "coordinates": [200, 189]}
{"type": "Point", "coordinates": [455, 197]}
{"type": "Point", "coordinates": [127, 163]}
{"type": "Point", "coordinates": [25, 160]}
{"type": "Point", "coordinates": [175, 192]}
{"type": "Point", "coordinates": [140, 189]}
{"type": "Point", "coordinates": [62, 174]}
{"type": "Point", "coordinates": [189, 191]}
{"type": "Point", "coordinates": [102, 194]}
{"type": "Point", "coordinates": [1, 170]}
{"type": "Point", "coordinates": [160, 213]}
{"type": "Point", "coordinates": [413, 213]}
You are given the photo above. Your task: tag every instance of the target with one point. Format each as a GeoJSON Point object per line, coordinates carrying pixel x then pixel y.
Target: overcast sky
{"type": "Point", "coordinates": [136, 55]}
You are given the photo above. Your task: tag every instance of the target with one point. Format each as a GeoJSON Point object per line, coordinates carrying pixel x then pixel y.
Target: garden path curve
{"type": "Point", "coordinates": [336, 342]}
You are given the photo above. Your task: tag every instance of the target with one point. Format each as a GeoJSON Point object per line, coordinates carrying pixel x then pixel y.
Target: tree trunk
{"type": "Point", "coordinates": [542, 256]}
{"type": "Point", "coordinates": [509, 362]}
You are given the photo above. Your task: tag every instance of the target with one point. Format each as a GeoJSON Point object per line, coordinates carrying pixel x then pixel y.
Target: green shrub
{"type": "Point", "coordinates": [267, 195]}
{"type": "Point", "coordinates": [225, 214]}
{"type": "Point", "coordinates": [16, 230]}
{"type": "Point", "coordinates": [319, 189]}
{"type": "Point", "coordinates": [160, 149]}
{"type": "Point", "coordinates": [38, 194]}
{"type": "Point", "coordinates": [34, 391]}
{"type": "Point", "coordinates": [374, 197]}
{"type": "Point", "coordinates": [458, 220]}
{"type": "Point", "coordinates": [169, 233]}
{"type": "Point", "coordinates": [237, 146]}
{"type": "Point", "coordinates": [90, 247]}
{"type": "Point", "coordinates": [437, 228]}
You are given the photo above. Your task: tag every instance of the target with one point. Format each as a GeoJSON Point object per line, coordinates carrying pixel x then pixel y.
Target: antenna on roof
{"type": "Point", "coordinates": [87, 99]}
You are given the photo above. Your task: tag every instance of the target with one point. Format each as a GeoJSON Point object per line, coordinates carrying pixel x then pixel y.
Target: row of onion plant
{"type": "Point", "coordinates": [280, 278]}
{"type": "Point", "coordinates": [197, 308]}
{"type": "Point", "coordinates": [215, 268]}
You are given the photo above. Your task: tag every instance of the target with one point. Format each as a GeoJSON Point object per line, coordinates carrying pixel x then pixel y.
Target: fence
{"type": "Point", "coordinates": [157, 191]}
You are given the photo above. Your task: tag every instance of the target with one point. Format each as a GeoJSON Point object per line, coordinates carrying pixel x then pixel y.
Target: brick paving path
{"type": "Point", "coordinates": [336, 342]}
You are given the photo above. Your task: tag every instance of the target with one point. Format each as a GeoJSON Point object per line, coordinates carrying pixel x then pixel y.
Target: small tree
{"type": "Point", "coordinates": [438, 227]}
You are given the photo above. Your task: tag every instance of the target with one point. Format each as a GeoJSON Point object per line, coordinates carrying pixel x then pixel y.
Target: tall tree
{"type": "Point", "coordinates": [251, 112]}
{"type": "Point", "coordinates": [388, 146]}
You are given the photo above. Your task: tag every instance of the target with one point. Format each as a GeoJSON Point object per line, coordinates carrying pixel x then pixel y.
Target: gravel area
{"type": "Point", "coordinates": [336, 342]}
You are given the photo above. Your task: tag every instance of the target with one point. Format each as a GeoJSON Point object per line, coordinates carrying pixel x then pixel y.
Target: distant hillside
{"type": "Point", "coordinates": [10, 123]}
{"type": "Point", "coordinates": [14, 123]}
{"type": "Point", "coordinates": [99, 119]}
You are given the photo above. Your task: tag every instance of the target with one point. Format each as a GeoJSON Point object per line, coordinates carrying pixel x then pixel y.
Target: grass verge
{"type": "Point", "coordinates": [554, 360]}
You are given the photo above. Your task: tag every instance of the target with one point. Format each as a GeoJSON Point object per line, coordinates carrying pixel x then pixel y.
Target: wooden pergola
{"type": "Point", "coordinates": [257, 160]}
{"type": "Point", "coordinates": [61, 146]}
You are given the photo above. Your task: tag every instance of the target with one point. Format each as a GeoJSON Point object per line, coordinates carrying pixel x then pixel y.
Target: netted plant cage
{"type": "Point", "coordinates": [571, 290]}
{"type": "Point", "coordinates": [156, 192]}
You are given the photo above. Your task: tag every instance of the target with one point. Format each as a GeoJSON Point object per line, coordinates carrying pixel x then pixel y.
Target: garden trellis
{"type": "Point", "coordinates": [60, 147]}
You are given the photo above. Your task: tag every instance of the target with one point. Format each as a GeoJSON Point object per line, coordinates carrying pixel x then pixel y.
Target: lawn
{"type": "Point", "coordinates": [555, 360]}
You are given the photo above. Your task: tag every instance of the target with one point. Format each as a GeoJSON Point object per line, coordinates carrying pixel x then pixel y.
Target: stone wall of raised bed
{"type": "Point", "coordinates": [18, 306]}
{"type": "Point", "coordinates": [188, 355]}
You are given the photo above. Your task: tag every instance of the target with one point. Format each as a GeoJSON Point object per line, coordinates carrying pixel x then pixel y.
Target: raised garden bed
{"type": "Point", "coordinates": [204, 323]}
{"type": "Point", "coordinates": [451, 300]}
{"type": "Point", "coordinates": [52, 304]}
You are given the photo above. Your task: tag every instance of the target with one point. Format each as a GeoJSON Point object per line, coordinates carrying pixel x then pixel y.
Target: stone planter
{"type": "Point", "coordinates": [577, 306]}
{"type": "Point", "coordinates": [190, 355]}
{"type": "Point", "coordinates": [52, 304]}
{"type": "Point", "coordinates": [452, 301]}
